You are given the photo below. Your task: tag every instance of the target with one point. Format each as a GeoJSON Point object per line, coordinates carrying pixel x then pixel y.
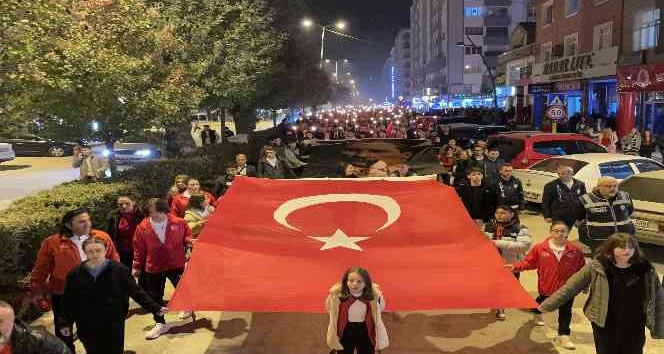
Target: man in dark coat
{"type": "Point", "coordinates": [561, 197]}
{"type": "Point", "coordinates": [477, 197]}
{"type": "Point", "coordinates": [508, 190]}
{"type": "Point", "coordinates": [19, 338]}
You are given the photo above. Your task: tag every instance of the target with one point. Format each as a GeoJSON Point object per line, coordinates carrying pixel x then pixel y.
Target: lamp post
{"type": "Point", "coordinates": [340, 25]}
{"type": "Point", "coordinates": [486, 64]}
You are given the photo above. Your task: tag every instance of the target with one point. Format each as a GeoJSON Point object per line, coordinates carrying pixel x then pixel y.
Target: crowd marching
{"type": "Point", "coordinates": [87, 275]}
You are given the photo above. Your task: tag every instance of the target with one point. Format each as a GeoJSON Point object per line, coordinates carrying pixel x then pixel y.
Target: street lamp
{"type": "Point", "coordinates": [486, 64]}
{"type": "Point", "coordinates": [339, 25]}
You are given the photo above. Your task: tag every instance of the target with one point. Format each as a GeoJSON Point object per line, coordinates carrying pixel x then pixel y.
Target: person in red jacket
{"type": "Point", "coordinates": [556, 260]}
{"type": "Point", "coordinates": [180, 202]}
{"type": "Point", "coordinates": [159, 250]}
{"type": "Point", "coordinates": [59, 254]}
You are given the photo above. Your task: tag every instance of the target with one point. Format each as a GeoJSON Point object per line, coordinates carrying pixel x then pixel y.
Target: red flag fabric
{"type": "Point", "coordinates": [279, 245]}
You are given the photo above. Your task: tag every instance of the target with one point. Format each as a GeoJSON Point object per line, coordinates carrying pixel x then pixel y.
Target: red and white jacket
{"type": "Point", "coordinates": [153, 255]}
{"type": "Point", "coordinates": [180, 202]}
{"type": "Point", "coordinates": [552, 274]}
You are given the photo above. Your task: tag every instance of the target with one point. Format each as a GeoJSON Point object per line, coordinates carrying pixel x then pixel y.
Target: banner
{"type": "Point", "coordinates": [279, 245]}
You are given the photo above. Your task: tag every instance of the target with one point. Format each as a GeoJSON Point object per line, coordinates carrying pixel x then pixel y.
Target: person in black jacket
{"type": "Point", "coordinates": [96, 298]}
{"type": "Point", "coordinates": [508, 190]}
{"type": "Point", "coordinates": [561, 197]}
{"type": "Point", "coordinates": [19, 338]}
{"type": "Point", "coordinates": [270, 165]}
{"type": "Point", "coordinates": [477, 197]}
{"type": "Point", "coordinates": [122, 223]}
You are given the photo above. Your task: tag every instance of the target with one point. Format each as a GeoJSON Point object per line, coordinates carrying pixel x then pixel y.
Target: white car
{"type": "Point", "coordinates": [6, 152]}
{"type": "Point", "coordinates": [648, 217]}
{"type": "Point", "coordinates": [588, 168]}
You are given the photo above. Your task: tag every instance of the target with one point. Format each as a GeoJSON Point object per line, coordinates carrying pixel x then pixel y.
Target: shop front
{"type": "Point", "coordinates": [641, 93]}
{"type": "Point", "coordinates": [587, 81]}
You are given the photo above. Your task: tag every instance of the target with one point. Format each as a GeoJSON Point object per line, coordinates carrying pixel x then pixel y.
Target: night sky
{"type": "Point", "coordinates": [375, 20]}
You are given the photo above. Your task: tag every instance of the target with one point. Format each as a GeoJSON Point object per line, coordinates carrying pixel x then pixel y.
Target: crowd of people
{"type": "Point", "coordinates": [86, 275]}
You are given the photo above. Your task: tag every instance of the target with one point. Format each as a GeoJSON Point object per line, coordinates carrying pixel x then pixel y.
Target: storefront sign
{"type": "Point", "coordinates": [567, 86]}
{"type": "Point", "coordinates": [534, 89]}
{"type": "Point", "coordinates": [641, 78]}
{"type": "Point", "coordinates": [597, 63]}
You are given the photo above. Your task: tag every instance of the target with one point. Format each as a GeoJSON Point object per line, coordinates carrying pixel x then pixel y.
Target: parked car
{"type": "Point", "coordinates": [6, 152]}
{"type": "Point", "coordinates": [467, 134]}
{"type": "Point", "coordinates": [127, 153]}
{"type": "Point", "coordinates": [33, 145]}
{"type": "Point", "coordinates": [586, 167]}
{"type": "Point", "coordinates": [524, 149]}
{"type": "Point", "coordinates": [645, 190]}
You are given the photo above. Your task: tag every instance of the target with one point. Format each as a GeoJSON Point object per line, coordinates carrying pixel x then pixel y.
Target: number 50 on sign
{"type": "Point", "coordinates": [556, 113]}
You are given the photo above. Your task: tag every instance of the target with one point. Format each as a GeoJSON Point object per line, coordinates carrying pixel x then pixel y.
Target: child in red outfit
{"type": "Point", "coordinates": [556, 260]}
{"type": "Point", "coordinates": [354, 306]}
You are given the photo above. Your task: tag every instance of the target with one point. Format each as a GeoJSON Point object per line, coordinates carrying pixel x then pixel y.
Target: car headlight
{"type": "Point", "coordinates": [106, 153]}
{"type": "Point", "coordinates": [143, 153]}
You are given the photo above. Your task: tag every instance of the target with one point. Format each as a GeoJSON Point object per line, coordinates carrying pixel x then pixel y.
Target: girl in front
{"type": "Point", "coordinates": [355, 305]}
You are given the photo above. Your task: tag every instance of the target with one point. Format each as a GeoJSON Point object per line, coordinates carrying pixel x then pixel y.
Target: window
{"type": "Point", "coordinates": [618, 170]}
{"type": "Point", "coordinates": [647, 166]}
{"type": "Point", "coordinates": [571, 44]}
{"type": "Point", "coordinates": [532, 12]}
{"type": "Point", "coordinates": [551, 165]}
{"type": "Point", "coordinates": [571, 7]}
{"type": "Point", "coordinates": [586, 147]}
{"type": "Point", "coordinates": [547, 13]}
{"type": "Point", "coordinates": [546, 49]}
{"type": "Point", "coordinates": [640, 188]}
{"type": "Point", "coordinates": [646, 30]}
{"type": "Point", "coordinates": [472, 69]}
{"type": "Point", "coordinates": [473, 11]}
{"type": "Point", "coordinates": [473, 50]}
{"type": "Point", "coordinates": [475, 31]}
{"type": "Point", "coordinates": [509, 148]}
{"type": "Point", "coordinates": [602, 36]}
{"type": "Point", "coordinates": [553, 147]}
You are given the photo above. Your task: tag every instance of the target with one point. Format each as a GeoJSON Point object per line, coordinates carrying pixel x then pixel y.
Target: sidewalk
{"type": "Point", "coordinates": [433, 332]}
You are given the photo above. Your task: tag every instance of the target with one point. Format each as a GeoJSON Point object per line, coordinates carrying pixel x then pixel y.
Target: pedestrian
{"type": "Point", "coordinates": [631, 143]}
{"type": "Point", "coordinates": [508, 190]}
{"type": "Point", "coordinates": [447, 159]}
{"type": "Point", "coordinates": [270, 165]}
{"type": "Point", "coordinates": [159, 251]}
{"type": "Point", "coordinates": [59, 254]}
{"type": "Point", "coordinates": [179, 186]}
{"type": "Point", "coordinates": [460, 169]}
{"type": "Point", "coordinates": [179, 204]}
{"type": "Point", "coordinates": [208, 136]}
{"type": "Point", "coordinates": [197, 214]}
{"type": "Point", "coordinates": [608, 139]}
{"type": "Point", "coordinates": [647, 145]}
{"type": "Point", "coordinates": [556, 260]}
{"type": "Point", "coordinates": [92, 167]}
{"type": "Point", "coordinates": [606, 211]}
{"type": "Point", "coordinates": [122, 223]}
{"type": "Point", "coordinates": [243, 168]}
{"type": "Point", "coordinates": [512, 239]}
{"type": "Point", "coordinates": [18, 338]}
{"type": "Point", "coordinates": [96, 299]}
{"type": "Point", "coordinates": [224, 182]}
{"type": "Point", "coordinates": [291, 159]}
{"type": "Point", "coordinates": [625, 296]}
{"type": "Point", "coordinates": [476, 196]}
{"type": "Point", "coordinates": [561, 198]}
{"type": "Point", "coordinates": [355, 306]}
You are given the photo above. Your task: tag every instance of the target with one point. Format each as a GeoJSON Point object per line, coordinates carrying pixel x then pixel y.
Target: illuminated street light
{"type": "Point", "coordinates": [341, 25]}
{"type": "Point", "coordinates": [307, 23]}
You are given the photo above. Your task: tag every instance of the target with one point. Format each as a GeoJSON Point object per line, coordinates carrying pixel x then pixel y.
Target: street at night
{"type": "Point", "coordinates": [331, 176]}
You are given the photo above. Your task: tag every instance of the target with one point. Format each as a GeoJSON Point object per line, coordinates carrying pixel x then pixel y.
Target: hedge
{"type": "Point", "coordinates": [25, 224]}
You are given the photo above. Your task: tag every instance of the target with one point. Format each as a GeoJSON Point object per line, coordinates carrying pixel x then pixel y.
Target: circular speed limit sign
{"type": "Point", "coordinates": [556, 113]}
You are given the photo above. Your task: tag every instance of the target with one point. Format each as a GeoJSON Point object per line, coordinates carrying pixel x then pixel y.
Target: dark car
{"type": "Point", "coordinates": [33, 145]}
{"type": "Point", "coordinates": [466, 135]}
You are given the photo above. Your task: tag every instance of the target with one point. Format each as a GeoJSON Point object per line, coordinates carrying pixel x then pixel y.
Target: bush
{"type": "Point", "coordinates": [25, 224]}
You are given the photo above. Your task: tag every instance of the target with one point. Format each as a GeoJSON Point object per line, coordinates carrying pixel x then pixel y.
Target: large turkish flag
{"type": "Point", "coordinates": [279, 245]}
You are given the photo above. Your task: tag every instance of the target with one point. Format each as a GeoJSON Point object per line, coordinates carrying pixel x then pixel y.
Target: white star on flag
{"type": "Point", "coordinates": [340, 239]}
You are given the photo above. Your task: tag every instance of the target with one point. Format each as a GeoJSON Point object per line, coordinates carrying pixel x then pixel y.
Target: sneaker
{"type": "Point", "coordinates": [157, 330]}
{"type": "Point", "coordinates": [539, 321]}
{"type": "Point", "coordinates": [565, 342]}
{"type": "Point", "coordinates": [500, 315]}
{"type": "Point", "coordinates": [185, 314]}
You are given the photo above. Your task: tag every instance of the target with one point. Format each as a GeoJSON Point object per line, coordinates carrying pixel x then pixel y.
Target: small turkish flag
{"type": "Point", "coordinates": [279, 245]}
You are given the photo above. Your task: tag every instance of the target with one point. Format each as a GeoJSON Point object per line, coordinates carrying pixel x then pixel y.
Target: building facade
{"type": "Point", "coordinates": [577, 56]}
{"type": "Point", "coordinates": [515, 67]}
{"type": "Point", "coordinates": [401, 58]}
{"type": "Point", "coordinates": [449, 39]}
{"type": "Point", "coordinates": [641, 74]}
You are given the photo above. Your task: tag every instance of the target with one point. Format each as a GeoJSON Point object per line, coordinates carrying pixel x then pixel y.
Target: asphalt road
{"type": "Point", "coordinates": [429, 332]}
{"type": "Point", "coordinates": [28, 175]}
